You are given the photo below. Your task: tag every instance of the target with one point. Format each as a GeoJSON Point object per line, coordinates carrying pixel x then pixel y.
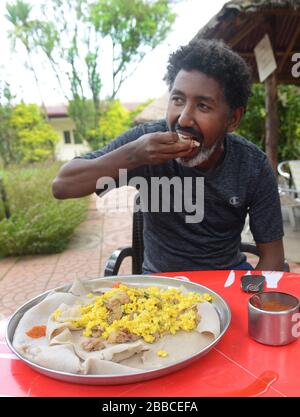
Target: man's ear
{"type": "Point", "coordinates": [234, 119]}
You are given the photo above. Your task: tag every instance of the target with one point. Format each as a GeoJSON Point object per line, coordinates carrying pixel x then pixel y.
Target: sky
{"type": "Point", "coordinates": [146, 82]}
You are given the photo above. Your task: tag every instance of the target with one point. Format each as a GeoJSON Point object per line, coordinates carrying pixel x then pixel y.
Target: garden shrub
{"type": "Point", "coordinates": [38, 223]}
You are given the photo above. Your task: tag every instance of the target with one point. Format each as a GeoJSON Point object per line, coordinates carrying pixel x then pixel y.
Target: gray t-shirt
{"type": "Point", "coordinates": [242, 183]}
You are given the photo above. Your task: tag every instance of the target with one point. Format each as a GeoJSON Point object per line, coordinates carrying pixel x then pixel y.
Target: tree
{"type": "Point", "coordinates": [289, 111]}
{"type": "Point", "coordinates": [8, 145]}
{"type": "Point", "coordinates": [70, 36]}
{"type": "Point", "coordinates": [35, 137]}
{"type": "Point", "coordinates": [134, 27]}
{"type": "Point", "coordinates": [25, 136]}
{"type": "Point", "coordinates": [18, 15]}
{"type": "Point", "coordinates": [114, 121]}
{"type": "Point", "coordinates": [253, 123]}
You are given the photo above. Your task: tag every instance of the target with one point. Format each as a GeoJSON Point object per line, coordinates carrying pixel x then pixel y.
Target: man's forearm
{"type": "Point", "coordinates": [271, 256]}
{"type": "Point", "coordinates": [270, 265]}
{"type": "Point", "coordinates": [79, 177]}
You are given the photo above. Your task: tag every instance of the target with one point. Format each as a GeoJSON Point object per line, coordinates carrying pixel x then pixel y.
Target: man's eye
{"type": "Point", "coordinates": [177, 100]}
{"type": "Point", "coordinates": [203, 106]}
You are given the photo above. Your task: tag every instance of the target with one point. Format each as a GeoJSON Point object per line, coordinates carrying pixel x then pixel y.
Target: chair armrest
{"type": "Point", "coordinates": [113, 263]}
{"type": "Point", "coordinates": [281, 170]}
{"type": "Point", "coordinates": [289, 190]}
{"type": "Point", "coordinates": [249, 248]}
{"type": "Point", "coordinates": [286, 266]}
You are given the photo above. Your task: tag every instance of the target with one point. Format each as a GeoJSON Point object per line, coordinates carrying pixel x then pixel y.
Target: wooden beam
{"type": "Point", "coordinates": [290, 47]}
{"type": "Point", "coordinates": [280, 12]}
{"type": "Point", "coordinates": [291, 80]}
{"type": "Point", "coordinates": [241, 34]}
{"type": "Point", "coordinates": [272, 121]}
{"type": "Point", "coordinates": [287, 80]}
{"type": "Point", "coordinates": [250, 54]}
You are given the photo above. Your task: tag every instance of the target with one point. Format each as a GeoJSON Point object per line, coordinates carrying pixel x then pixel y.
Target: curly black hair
{"type": "Point", "coordinates": [215, 59]}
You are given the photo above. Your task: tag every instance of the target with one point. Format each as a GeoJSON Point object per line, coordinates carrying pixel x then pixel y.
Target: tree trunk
{"type": "Point", "coordinates": [4, 199]}
{"type": "Point", "coordinates": [272, 121]}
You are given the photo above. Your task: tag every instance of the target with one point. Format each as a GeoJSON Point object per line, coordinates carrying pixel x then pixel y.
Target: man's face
{"type": "Point", "coordinates": [197, 107]}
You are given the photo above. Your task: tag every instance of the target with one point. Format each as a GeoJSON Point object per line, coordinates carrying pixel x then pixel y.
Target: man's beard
{"type": "Point", "coordinates": [203, 155]}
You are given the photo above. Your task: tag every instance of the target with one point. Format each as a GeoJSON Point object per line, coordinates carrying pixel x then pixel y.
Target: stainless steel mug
{"type": "Point", "coordinates": [272, 317]}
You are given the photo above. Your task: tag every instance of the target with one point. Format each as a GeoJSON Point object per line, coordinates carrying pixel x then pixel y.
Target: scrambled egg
{"type": "Point", "coordinates": [162, 353]}
{"type": "Point", "coordinates": [147, 312]}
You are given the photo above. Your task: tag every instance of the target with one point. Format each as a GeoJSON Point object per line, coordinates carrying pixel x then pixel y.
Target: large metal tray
{"type": "Point", "coordinates": [219, 303]}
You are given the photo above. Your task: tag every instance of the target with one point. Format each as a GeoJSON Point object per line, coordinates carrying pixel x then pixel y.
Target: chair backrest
{"type": "Point", "coordinates": [295, 173]}
{"type": "Point", "coordinates": [137, 237]}
{"type": "Point", "coordinates": [290, 171]}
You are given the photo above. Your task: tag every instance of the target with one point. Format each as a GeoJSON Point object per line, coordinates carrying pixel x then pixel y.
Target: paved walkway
{"type": "Point", "coordinates": [94, 240]}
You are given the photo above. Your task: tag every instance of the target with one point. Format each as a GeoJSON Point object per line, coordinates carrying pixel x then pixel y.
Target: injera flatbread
{"type": "Point", "coordinates": [61, 349]}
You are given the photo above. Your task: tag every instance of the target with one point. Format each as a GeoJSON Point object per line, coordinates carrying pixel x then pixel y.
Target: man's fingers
{"type": "Point", "coordinates": [167, 147]}
{"type": "Point", "coordinates": [174, 148]}
{"type": "Point", "coordinates": [182, 154]}
{"type": "Point", "coordinates": [168, 137]}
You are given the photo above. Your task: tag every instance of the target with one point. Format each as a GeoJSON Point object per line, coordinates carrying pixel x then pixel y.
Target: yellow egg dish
{"type": "Point", "coordinates": [126, 314]}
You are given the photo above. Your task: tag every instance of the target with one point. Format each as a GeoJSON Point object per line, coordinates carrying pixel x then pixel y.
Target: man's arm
{"type": "Point", "coordinates": [271, 256]}
{"type": "Point", "coordinates": [79, 177]}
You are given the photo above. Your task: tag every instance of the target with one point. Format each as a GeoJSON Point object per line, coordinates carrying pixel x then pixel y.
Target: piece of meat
{"type": "Point", "coordinates": [92, 345]}
{"type": "Point", "coordinates": [115, 314]}
{"type": "Point", "coordinates": [121, 297]}
{"type": "Point", "coordinates": [156, 336]}
{"type": "Point", "coordinates": [122, 336]}
{"type": "Point", "coordinates": [97, 331]}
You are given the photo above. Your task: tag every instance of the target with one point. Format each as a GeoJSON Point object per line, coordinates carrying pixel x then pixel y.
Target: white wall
{"type": "Point", "coordinates": [67, 151]}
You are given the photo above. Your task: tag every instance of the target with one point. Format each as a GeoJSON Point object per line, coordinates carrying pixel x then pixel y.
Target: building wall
{"type": "Point", "coordinates": [66, 151]}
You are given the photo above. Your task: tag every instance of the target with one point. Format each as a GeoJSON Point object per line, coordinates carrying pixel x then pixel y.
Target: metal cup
{"type": "Point", "coordinates": [271, 318]}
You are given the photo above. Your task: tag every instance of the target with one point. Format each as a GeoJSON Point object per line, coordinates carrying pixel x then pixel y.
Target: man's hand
{"type": "Point", "coordinates": [156, 148]}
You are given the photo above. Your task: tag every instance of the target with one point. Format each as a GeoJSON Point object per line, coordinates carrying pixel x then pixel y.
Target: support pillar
{"type": "Point", "coordinates": [272, 121]}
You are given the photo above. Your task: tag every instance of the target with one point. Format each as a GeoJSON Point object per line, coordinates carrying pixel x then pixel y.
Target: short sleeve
{"type": "Point", "coordinates": [265, 210]}
{"type": "Point", "coordinates": [126, 137]}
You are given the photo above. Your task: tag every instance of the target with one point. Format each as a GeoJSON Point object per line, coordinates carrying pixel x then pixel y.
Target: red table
{"type": "Point", "coordinates": [237, 366]}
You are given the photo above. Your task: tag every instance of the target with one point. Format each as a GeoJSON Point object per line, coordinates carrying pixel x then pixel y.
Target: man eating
{"type": "Point", "coordinates": [209, 88]}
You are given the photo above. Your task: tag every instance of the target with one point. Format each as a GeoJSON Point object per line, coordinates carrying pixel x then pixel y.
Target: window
{"type": "Point", "coordinates": [67, 136]}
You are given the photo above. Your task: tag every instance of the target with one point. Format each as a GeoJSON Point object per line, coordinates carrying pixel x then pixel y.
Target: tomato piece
{"type": "Point", "coordinates": [36, 332]}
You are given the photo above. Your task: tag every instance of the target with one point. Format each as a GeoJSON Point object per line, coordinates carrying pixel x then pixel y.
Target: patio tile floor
{"type": "Point", "coordinates": [93, 242]}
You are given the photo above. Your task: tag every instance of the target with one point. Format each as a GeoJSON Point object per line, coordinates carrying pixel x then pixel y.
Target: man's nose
{"type": "Point", "coordinates": [186, 117]}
